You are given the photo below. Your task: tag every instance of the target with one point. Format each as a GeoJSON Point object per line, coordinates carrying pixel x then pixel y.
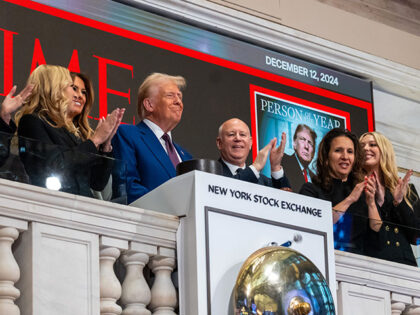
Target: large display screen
{"type": "Point", "coordinates": [118, 46]}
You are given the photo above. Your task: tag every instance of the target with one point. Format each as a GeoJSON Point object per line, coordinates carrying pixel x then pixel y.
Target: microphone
{"type": "Point", "coordinates": [297, 238]}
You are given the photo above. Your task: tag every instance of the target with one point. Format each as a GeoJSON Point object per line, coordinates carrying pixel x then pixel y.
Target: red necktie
{"type": "Point", "coordinates": [171, 150]}
{"type": "Point", "coordinates": [305, 174]}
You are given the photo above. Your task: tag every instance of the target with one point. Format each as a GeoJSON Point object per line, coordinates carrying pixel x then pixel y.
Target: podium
{"type": "Point", "coordinates": [224, 220]}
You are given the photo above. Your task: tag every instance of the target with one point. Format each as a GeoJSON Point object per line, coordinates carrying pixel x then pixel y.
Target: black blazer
{"type": "Point", "coordinates": [398, 230]}
{"type": "Point", "coordinates": [7, 128]}
{"type": "Point", "coordinates": [57, 152]}
{"type": "Point", "coordinates": [248, 175]}
{"type": "Point", "coordinates": [294, 173]}
{"type": "Point", "coordinates": [6, 134]}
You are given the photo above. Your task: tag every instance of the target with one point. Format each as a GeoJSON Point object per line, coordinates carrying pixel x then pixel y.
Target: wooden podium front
{"type": "Point", "coordinates": [223, 221]}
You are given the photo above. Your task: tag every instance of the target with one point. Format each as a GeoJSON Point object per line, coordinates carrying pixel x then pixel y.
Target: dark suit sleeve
{"type": "Point", "coordinates": [281, 182]}
{"type": "Point", "coordinates": [6, 134]}
{"type": "Point", "coordinates": [7, 128]}
{"type": "Point", "coordinates": [124, 149]}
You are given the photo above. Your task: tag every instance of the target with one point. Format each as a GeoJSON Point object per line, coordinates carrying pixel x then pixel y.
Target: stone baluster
{"type": "Point", "coordinates": [9, 269]}
{"type": "Point", "coordinates": [136, 294]}
{"type": "Point", "coordinates": [412, 310]}
{"type": "Point", "coordinates": [397, 308]}
{"type": "Point", "coordinates": [110, 287]}
{"type": "Point", "coordinates": [399, 302]}
{"type": "Point", "coordinates": [164, 298]}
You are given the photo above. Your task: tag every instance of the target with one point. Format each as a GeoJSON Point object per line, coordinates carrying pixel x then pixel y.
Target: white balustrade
{"type": "Point", "coordinates": [9, 272]}
{"type": "Point", "coordinates": [399, 303]}
{"type": "Point", "coordinates": [136, 293]}
{"type": "Point", "coordinates": [164, 298]}
{"type": "Point", "coordinates": [9, 269]}
{"type": "Point", "coordinates": [64, 226]}
{"type": "Point", "coordinates": [412, 310]}
{"type": "Point", "coordinates": [110, 286]}
{"type": "Point", "coordinates": [397, 308]}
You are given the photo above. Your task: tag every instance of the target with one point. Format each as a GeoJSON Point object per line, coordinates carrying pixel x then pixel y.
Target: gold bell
{"type": "Point", "coordinates": [298, 306]}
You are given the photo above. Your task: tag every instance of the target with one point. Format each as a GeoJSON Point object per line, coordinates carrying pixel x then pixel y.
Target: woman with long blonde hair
{"type": "Point", "coordinates": [395, 202]}
{"type": "Point", "coordinates": [65, 147]}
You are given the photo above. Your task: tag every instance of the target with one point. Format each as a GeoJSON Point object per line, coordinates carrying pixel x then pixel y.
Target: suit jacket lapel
{"type": "Point", "coordinates": [226, 170]}
{"type": "Point", "coordinates": [180, 152]}
{"type": "Point", "coordinates": [156, 148]}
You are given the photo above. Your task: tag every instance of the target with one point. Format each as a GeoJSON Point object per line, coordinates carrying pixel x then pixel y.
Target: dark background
{"type": "Point", "coordinates": [213, 94]}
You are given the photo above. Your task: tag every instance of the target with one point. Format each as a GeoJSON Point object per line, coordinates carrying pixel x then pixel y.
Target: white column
{"type": "Point", "coordinates": [136, 294]}
{"type": "Point", "coordinates": [9, 269]}
{"type": "Point", "coordinates": [164, 298]}
{"type": "Point", "coordinates": [110, 287]}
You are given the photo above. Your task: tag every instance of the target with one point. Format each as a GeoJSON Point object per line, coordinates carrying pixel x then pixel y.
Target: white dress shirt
{"type": "Point", "coordinates": [233, 169]}
{"type": "Point", "coordinates": [158, 132]}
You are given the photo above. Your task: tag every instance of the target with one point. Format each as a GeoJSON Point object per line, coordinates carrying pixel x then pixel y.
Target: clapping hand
{"type": "Point", "coordinates": [401, 188]}
{"type": "Point", "coordinates": [380, 190]}
{"type": "Point", "coordinates": [262, 155]}
{"type": "Point", "coordinates": [107, 147]}
{"type": "Point", "coordinates": [356, 192]}
{"type": "Point", "coordinates": [370, 184]}
{"type": "Point", "coordinates": [106, 129]}
{"type": "Point", "coordinates": [11, 104]}
{"type": "Point", "coordinates": [277, 154]}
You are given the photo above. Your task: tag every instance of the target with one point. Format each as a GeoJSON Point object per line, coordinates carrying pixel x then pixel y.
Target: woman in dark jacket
{"type": "Point", "coordinates": [66, 151]}
{"type": "Point", "coordinates": [339, 180]}
{"type": "Point", "coordinates": [10, 105]}
{"type": "Point", "coordinates": [394, 200]}
{"type": "Point", "coordinates": [11, 168]}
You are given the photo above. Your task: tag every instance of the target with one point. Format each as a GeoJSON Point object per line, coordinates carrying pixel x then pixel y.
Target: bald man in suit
{"type": "Point", "coordinates": [234, 143]}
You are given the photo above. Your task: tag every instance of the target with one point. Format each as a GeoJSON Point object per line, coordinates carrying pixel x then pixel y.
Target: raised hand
{"type": "Point", "coordinates": [11, 104]}
{"type": "Point", "coordinates": [262, 156]}
{"type": "Point", "coordinates": [277, 154]}
{"type": "Point", "coordinates": [401, 188]}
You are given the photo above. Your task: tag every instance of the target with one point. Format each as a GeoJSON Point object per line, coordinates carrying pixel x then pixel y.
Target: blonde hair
{"type": "Point", "coordinates": [48, 100]}
{"type": "Point", "coordinates": [151, 81]}
{"type": "Point", "coordinates": [387, 164]}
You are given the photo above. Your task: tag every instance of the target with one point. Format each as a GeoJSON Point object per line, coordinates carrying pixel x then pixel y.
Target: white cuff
{"type": "Point", "coordinates": [256, 173]}
{"type": "Point", "coordinates": [278, 174]}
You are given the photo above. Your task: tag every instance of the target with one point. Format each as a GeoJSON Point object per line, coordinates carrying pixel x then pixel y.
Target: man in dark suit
{"type": "Point", "coordinates": [234, 143]}
{"type": "Point", "coordinates": [296, 165]}
{"type": "Point", "coordinates": [147, 148]}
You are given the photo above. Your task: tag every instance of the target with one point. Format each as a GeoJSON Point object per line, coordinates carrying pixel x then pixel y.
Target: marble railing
{"type": "Point", "coordinates": [375, 287]}
{"type": "Point", "coordinates": [58, 254]}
